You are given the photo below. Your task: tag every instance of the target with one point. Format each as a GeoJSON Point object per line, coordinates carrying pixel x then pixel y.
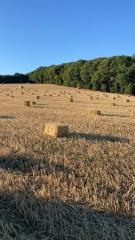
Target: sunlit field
{"type": "Point", "coordinates": [80, 187]}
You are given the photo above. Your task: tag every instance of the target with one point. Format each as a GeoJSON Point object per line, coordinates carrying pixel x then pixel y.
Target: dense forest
{"type": "Point", "coordinates": [16, 78]}
{"type": "Point", "coordinates": [114, 74]}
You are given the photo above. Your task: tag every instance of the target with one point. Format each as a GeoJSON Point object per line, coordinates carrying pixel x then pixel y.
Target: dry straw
{"type": "Point", "coordinates": [95, 112]}
{"type": "Point", "coordinates": [27, 103]}
{"type": "Point", "coordinates": [56, 130]}
{"type": "Point", "coordinates": [33, 103]}
{"type": "Point", "coordinates": [71, 99]}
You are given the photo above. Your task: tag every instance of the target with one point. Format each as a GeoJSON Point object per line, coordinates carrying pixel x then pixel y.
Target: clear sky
{"type": "Point", "coordinates": [37, 33]}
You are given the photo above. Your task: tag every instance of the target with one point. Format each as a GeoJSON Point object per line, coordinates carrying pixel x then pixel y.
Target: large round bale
{"type": "Point", "coordinates": [27, 103]}
{"type": "Point", "coordinates": [56, 130]}
{"type": "Point", "coordinates": [95, 112]}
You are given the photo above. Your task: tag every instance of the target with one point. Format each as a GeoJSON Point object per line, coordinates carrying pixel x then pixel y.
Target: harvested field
{"type": "Point", "coordinates": [80, 187]}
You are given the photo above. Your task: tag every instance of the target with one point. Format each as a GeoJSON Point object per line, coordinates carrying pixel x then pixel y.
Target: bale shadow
{"type": "Point", "coordinates": [26, 165]}
{"type": "Point", "coordinates": [24, 216]}
{"type": "Point", "coordinates": [114, 115]}
{"type": "Point", "coordinates": [46, 106]}
{"type": "Point", "coordinates": [7, 117]}
{"type": "Point", "coordinates": [97, 137]}
{"type": "Point", "coordinates": [126, 106]}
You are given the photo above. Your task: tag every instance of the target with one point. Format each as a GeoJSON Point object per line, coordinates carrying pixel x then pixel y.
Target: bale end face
{"type": "Point", "coordinates": [27, 103]}
{"type": "Point", "coordinates": [71, 99]}
{"type": "Point", "coordinates": [132, 112]}
{"type": "Point", "coordinates": [113, 104]}
{"type": "Point", "coordinates": [95, 112]}
{"type": "Point", "coordinates": [33, 103]}
{"type": "Point", "coordinates": [56, 130]}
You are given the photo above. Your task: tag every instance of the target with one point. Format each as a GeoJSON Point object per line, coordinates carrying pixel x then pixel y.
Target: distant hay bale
{"type": "Point", "coordinates": [22, 87]}
{"type": "Point", "coordinates": [22, 93]}
{"type": "Point", "coordinates": [113, 104]}
{"type": "Point", "coordinates": [114, 98]}
{"type": "Point", "coordinates": [56, 130]}
{"type": "Point", "coordinates": [33, 103]}
{"type": "Point", "coordinates": [71, 99]}
{"type": "Point", "coordinates": [91, 97]}
{"type": "Point", "coordinates": [38, 97]}
{"type": "Point", "coordinates": [95, 112]}
{"type": "Point", "coordinates": [127, 100]}
{"type": "Point", "coordinates": [132, 112]}
{"type": "Point", "coordinates": [27, 103]}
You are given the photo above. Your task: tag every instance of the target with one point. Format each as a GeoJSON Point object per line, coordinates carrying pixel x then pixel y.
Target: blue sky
{"type": "Point", "coordinates": [37, 33]}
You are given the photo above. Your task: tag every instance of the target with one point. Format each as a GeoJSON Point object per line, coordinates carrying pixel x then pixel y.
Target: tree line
{"type": "Point", "coordinates": [16, 78]}
{"type": "Point", "coordinates": [113, 74]}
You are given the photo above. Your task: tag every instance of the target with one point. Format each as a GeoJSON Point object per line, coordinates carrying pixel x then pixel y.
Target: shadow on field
{"type": "Point", "coordinates": [114, 115]}
{"type": "Point", "coordinates": [97, 137]}
{"type": "Point", "coordinates": [26, 165]}
{"type": "Point", "coordinates": [24, 216]}
{"type": "Point", "coordinates": [6, 117]}
{"type": "Point", "coordinates": [46, 106]}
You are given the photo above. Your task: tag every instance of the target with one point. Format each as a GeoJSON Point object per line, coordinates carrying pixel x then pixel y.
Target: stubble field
{"type": "Point", "coordinates": [81, 187]}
